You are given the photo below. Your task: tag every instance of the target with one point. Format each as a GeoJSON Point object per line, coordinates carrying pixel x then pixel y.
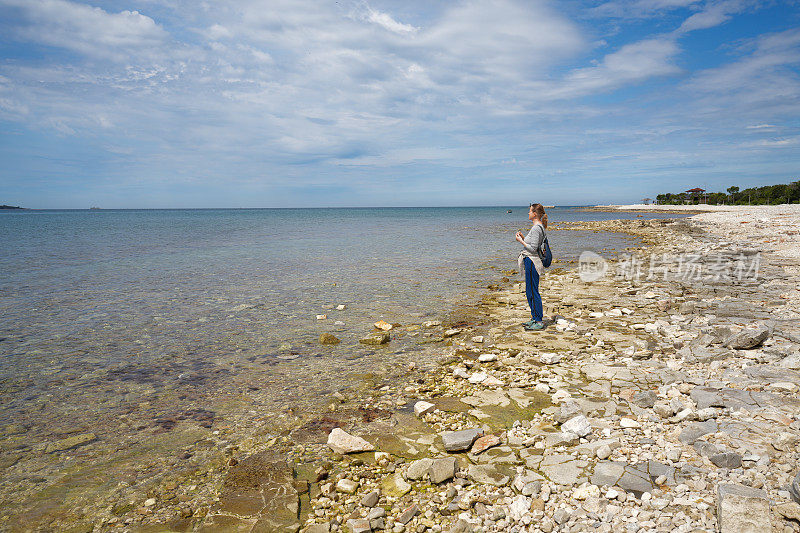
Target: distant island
{"type": "Point", "coordinates": [10, 207]}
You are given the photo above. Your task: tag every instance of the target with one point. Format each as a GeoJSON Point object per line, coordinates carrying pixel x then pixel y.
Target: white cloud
{"type": "Point", "coordinates": [386, 21]}
{"type": "Point", "coordinates": [86, 29]}
{"type": "Point", "coordinates": [631, 64]}
{"type": "Point", "coordinates": [713, 14]}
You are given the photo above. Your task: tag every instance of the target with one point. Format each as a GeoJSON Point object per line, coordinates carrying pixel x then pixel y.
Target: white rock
{"type": "Point", "coordinates": [520, 506]}
{"type": "Point", "coordinates": [341, 307]}
{"type": "Point", "coordinates": [581, 493]}
{"type": "Point", "coordinates": [149, 502]}
{"type": "Point", "coordinates": [491, 381]}
{"type": "Point", "coordinates": [629, 423]}
{"type": "Point", "coordinates": [596, 314]}
{"type": "Point", "coordinates": [550, 358]}
{"type": "Point", "coordinates": [460, 372]}
{"type": "Point", "coordinates": [322, 317]}
{"type": "Point", "coordinates": [478, 339]}
{"type": "Point", "coordinates": [342, 442]}
{"type": "Point", "coordinates": [614, 312]}
{"type": "Point", "coordinates": [487, 357]}
{"type": "Point", "coordinates": [478, 377]}
{"type": "Point", "coordinates": [423, 407]}
{"type": "Point", "coordinates": [579, 425]}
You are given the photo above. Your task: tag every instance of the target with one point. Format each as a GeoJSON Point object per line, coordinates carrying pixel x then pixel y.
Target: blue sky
{"type": "Point", "coordinates": [283, 103]}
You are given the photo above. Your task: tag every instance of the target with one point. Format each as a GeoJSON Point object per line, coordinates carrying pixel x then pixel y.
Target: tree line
{"type": "Point", "coordinates": [766, 195]}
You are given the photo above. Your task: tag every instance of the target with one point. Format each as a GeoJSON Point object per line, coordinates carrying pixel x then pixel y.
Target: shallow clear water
{"type": "Point", "coordinates": [115, 321]}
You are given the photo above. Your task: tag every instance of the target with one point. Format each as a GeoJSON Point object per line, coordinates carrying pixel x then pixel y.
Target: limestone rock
{"type": "Point", "coordinates": [418, 469]}
{"type": "Point", "coordinates": [579, 425]}
{"type": "Point", "coordinates": [748, 338]}
{"type": "Point", "coordinates": [423, 407]}
{"type": "Point", "coordinates": [328, 339]}
{"type": "Point", "coordinates": [342, 442]}
{"type": "Point", "coordinates": [442, 469]}
{"type": "Point", "coordinates": [395, 486]}
{"type": "Point", "coordinates": [376, 339]}
{"type": "Point", "coordinates": [457, 441]}
{"type": "Point", "coordinates": [742, 509]}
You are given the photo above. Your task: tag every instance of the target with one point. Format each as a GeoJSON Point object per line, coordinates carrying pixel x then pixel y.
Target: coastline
{"type": "Point", "coordinates": [531, 474]}
{"type": "Point", "coordinates": [677, 419]}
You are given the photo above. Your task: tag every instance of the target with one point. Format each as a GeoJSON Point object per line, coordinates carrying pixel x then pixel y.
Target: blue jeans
{"type": "Point", "coordinates": [532, 290]}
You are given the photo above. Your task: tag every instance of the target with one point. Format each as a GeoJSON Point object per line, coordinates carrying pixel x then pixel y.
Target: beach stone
{"type": "Point", "coordinates": [562, 438]}
{"type": "Point", "coordinates": [696, 430]}
{"type": "Point", "coordinates": [462, 526]}
{"type": "Point", "coordinates": [567, 410]}
{"type": "Point", "coordinates": [358, 525]}
{"type": "Point", "coordinates": [371, 499]}
{"type": "Point", "coordinates": [328, 339]}
{"type": "Point", "coordinates": [578, 425]}
{"type": "Point", "coordinates": [550, 358]}
{"type": "Point", "coordinates": [423, 408]}
{"type": "Point", "coordinates": [418, 469]}
{"type": "Point", "coordinates": [629, 423]}
{"type": "Point", "coordinates": [70, 442]}
{"type": "Point", "coordinates": [395, 486]}
{"type": "Point", "coordinates": [603, 452]}
{"type": "Point", "coordinates": [348, 486]}
{"type": "Point", "coordinates": [487, 475]}
{"type": "Point", "coordinates": [726, 460]}
{"type": "Point", "coordinates": [442, 469]}
{"type": "Point", "coordinates": [376, 339]}
{"type": "Point", "coordinates": [484, 443]}
{"type": "Point", "coordinates": [457, 441]}
{"type": "Point", "coordinates": [742, 509]}
{"type": "Point", "coordinates": [487, 357]}
{"type": "Point", "coordinates": [645, 399]}
{"type": "Point", "coordinates": [520, 507]}
{"type": "Point", "coordinates": [704, 448]}
{"type": "Point", "coordinates": [748, 338]}
{"type": "Point", "coordinates": [406, 516]}
{"type": "Point", "coordinates": [478, 377]}
{"type": "Point", "coordinates": [383, 325]}
{"type": "Point", "coordinates": [342, 442]}
{"type": "Point", "coordinates": [794, 488]}
{"type": "Point", "coordinates": [451, 333]}
{"type": "Point", "coordinates": [790, 510]}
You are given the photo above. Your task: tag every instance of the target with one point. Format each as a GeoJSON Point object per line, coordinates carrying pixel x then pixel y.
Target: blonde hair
{"type": "Point", "coordinates": [540, 214]}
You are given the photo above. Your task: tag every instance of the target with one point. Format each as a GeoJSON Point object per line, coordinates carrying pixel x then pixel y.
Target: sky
{"type": "Point", "coordinates": [298, 103]}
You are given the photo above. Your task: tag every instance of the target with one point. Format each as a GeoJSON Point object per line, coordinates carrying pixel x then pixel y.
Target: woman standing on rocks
{"type": "Point", "coordinates": [531, 262]}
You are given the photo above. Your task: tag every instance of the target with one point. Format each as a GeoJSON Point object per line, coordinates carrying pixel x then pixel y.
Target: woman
{"type": "Point", "coordinates": [530, 261]}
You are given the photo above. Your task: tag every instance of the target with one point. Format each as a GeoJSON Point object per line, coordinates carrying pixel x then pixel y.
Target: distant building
{"type": "Point", "coordinates": [695, 194]}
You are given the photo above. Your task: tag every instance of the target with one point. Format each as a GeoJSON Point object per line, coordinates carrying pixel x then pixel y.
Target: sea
{"type": "Point", "coordinates": [116, 326]}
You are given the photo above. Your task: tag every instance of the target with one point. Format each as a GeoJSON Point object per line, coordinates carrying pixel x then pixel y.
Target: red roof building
{"type": "Point", "coordinates": [696, 190]}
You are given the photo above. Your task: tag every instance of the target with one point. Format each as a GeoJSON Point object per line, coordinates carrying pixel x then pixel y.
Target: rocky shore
{"type": "Point", "coordinates": [662, 396]}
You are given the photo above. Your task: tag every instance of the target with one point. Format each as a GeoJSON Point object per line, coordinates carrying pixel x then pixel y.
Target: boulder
{"type": "Point", "coordinates": [418, 469]}
{"type": "Point", "coordinates": [395, 486]}
{"type": "Point", "coordinates": [578, 425]}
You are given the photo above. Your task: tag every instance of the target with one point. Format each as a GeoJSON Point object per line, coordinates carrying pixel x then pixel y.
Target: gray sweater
{"type": "Point", "coordinates": [532, 240]}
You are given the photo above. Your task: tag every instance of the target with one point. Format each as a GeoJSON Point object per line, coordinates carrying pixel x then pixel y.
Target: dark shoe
{"type": "Point", "coordinates": [536, 326]}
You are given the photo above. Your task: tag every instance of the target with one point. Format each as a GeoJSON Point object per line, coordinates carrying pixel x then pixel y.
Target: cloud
{"type": "Point", "coordinates": [387, 22]}
{"type": "Point", "coordinates": [633, 9]}
{"type": "Point", "coordinates": [631, 64]}
{"type": "Point", "coordinates": [713, 14]}
{"type": "Point", "coordinates": [85, 29]}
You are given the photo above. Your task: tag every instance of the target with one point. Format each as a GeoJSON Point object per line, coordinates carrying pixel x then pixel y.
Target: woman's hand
{"type": "Point", "coordinates": [520, 238]}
